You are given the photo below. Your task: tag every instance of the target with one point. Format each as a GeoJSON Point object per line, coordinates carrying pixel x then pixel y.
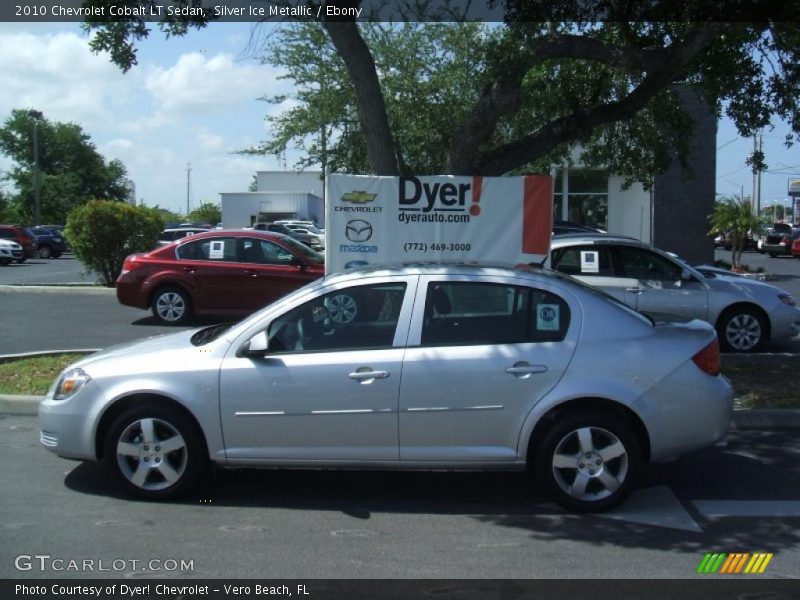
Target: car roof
{"type": "Point", "coordinates": [573, 239]}
{"type": "Point", "coordinates": [442, 269]}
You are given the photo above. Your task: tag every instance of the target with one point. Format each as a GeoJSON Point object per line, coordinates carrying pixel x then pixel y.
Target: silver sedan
{"type": "Point", "coordinates": [745, 313]}
{"type": "Point", "coordinates": [426, 367]}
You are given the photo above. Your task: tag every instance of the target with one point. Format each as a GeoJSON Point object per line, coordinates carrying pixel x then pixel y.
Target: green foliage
{"type": "Point", "coordinates": [103, 232]}
{"type": "Point", "coordinates": [208, 212]}
{"type": "Point", "coordinates": [489, 99]}
{"type": "Point", "coordinates": [734, 217]}
{"type": "Point", "coordinates": [168, 216]}
{"type": "Point", "coordinates": [71, 171]}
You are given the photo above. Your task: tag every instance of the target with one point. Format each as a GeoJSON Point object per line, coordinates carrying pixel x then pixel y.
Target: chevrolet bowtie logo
{"type": "Point", "coordinates": [358, 197]}
{"type": "Point", "coordinates": [358, 231]}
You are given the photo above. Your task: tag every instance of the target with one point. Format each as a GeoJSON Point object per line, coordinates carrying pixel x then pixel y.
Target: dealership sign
{"type": "Point", "coordinates": [389, 220]}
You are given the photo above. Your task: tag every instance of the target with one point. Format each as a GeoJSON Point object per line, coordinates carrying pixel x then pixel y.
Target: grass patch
{"type": "Point", "coordinates": [764, 381]}
{"type": "Point", "coordinates": [33, 376]}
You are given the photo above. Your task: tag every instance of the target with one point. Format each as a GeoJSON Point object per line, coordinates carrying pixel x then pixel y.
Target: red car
{"type": "Point", "coordinates": [219, 272]}
{"type": "Point", "coordinates": [796, 248]}
{"type": "Point", "coordinates": [19, 234]}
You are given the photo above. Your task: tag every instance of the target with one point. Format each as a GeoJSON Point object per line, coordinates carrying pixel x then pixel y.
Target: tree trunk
{"type": "Point", "coordinates": [383, 158]}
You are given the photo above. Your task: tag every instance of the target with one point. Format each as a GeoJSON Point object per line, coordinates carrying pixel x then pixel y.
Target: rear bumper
{"type": "Point", "coordinates": [694, 411]}
{"type": "Point", "coordinates": [777, 248]}
{"type": "Point", "coordinates": [132, 294]}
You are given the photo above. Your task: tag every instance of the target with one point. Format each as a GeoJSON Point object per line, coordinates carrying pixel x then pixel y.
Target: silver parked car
{"type": "Point", "coordinates": [9, 252]}
{"type": "Point", "coordinates": [744, 312]}
{"type": "Point", "coordinates": [416, 367]}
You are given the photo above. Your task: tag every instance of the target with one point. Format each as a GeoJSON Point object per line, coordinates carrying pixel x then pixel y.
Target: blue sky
{"type": "Point", "coordinates": [193, 100]}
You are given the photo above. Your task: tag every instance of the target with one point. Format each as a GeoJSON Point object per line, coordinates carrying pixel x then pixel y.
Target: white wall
{"type": "Point", "coordinates": [628, 210]}
{"type": "Point", "coordinates": [239, 208]}
{"type": "Point", "coordinates": [309, 182]}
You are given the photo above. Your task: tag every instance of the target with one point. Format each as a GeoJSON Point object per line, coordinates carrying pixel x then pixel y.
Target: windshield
{"type": "Point", "coordinates": [304, 251]}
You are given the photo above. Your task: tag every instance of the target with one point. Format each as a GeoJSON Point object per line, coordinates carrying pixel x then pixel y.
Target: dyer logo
{"type": "Point", "coordinates": [358, 230]}
{"type": "Point", "coordinates": [436, 196]}
{"type": "Point", "coordinates": [358, 197]}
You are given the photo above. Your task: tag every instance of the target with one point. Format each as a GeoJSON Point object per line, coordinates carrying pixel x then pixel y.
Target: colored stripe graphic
{"type": "Point", "coordinates": [732, 563]}
{"type": "Point", "coordinates": [537, 214]}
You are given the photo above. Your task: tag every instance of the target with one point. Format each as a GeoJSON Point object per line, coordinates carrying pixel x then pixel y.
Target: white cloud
{"type": "Point", "coordinates": [59, 75]}
{"type": "Point", "coordinates": [197, 83]}
{"type": "Point", "coordinates": [211, 141]}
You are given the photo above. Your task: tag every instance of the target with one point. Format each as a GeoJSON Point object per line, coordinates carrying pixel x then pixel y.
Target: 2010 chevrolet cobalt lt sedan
{"type": "Point", "coordinates": [413, 367]}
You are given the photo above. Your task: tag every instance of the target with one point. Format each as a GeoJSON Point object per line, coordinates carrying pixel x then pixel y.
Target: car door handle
{"type": "Point", "coordinates": [523, 370]}
{"type": "Point", "coordinates": [634, 290]}
{"type": "Point", "coordinates": [188, 269]}
{"type": "Point", "coordinates": [368, 376]}
{"type": "Point", "coordinates": [250, 273]}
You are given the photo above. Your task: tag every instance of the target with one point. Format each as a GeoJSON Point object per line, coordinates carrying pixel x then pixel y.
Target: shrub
{"type": "Point", "coordinates": [103, 232]}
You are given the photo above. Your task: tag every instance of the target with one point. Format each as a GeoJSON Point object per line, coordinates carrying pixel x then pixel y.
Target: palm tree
{"type": "Point", "coordinates": [734, 217]}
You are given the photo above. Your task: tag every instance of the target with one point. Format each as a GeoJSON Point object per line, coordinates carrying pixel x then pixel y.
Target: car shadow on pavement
{"type": "Point", "coordinates": [765, 468]}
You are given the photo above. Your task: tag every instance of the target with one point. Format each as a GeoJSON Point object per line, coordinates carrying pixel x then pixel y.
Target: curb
{"type": "Point", "coordinates": [766, 418]}
{"type": "Point", "coordinates": [7, 357]}
{"type": "Point", "coordinates": [59, 289]}
{"type": "Point", "coordinates": [20, 405]}
{"type": "Point", "coordinates": [743, 419]}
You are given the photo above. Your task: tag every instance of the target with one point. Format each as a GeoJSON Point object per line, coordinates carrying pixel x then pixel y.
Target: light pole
{"type": "Point", "coordinates": [37, 186]}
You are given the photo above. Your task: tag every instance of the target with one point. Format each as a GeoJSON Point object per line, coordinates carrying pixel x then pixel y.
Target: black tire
{"type": "Point", "coordinates": [773, 255]}
{"type": "Point", "coordinates": [741, 329]}
{"type": "Point", "coordinates": [171, 306]}
{"type": "Point", "coordinates": [169, 465]}
{"type": "Point", "coordinates": [45, 252]}
{"type": "Point", "coordinates": [599, 448]}
{"type": "Point", "coordinates": [5, 262]}
{"type": "Point", "coordinates": [22, 260]}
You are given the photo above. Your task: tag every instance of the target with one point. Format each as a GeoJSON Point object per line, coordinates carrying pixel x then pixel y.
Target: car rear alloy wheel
{"type": "Point", "coordinates": [589, 461]}
{"type": "Point", "coordinates": [44, 252]}
{"type": "Point", "coordinates": [171, 306]}
{"type": "Point", "coordinates": [342, 308]}
{"type": "Point", "coordinates": [741, 331]}
{"type": "Point", "coordinates": [155, 452]}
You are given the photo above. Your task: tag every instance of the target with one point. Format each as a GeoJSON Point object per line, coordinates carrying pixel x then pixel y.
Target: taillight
{"type": "Point", "coordinates": [129, 265]}
{"type": "Point", "coordinates": [707, 360]}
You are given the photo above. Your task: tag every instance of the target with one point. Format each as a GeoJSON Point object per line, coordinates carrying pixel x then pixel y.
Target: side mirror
{"type": "Point", "coordinates": [257, 346]}
{"type": "Point", "coordinates": [296, 262]}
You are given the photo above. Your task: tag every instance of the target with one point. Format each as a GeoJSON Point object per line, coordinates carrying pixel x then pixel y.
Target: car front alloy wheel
{"type": "Point", "coordinates": [155, 452]}
{"type": "Point", "coordinates": [741, 330]}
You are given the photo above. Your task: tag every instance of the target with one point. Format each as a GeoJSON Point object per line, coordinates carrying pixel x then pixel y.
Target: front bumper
{"type": "Point", "coordinates": [67, 427]}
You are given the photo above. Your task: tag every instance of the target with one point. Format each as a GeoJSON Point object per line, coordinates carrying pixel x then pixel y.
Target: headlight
{"type": "Point", "coordinates": [787, 299]}
{"type": "Point", "coordinates": [70, 383]}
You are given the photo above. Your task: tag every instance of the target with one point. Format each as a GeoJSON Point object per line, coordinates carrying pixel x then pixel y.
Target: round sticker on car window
{"type": "Point", "coordinates": [548, 317]}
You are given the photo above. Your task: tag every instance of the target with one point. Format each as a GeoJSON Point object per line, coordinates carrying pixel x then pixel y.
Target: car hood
{"type": "Point", "coordinates": [743, 285]}
{"type": "Point", "coordinates": [167, 342]}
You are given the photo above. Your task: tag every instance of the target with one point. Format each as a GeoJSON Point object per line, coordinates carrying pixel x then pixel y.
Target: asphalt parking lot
{"type": "Point", "coordinates": [740, 497]}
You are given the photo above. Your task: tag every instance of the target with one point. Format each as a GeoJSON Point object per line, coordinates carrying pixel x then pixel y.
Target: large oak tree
{"type": "Point", "coordinates": [600, 74]}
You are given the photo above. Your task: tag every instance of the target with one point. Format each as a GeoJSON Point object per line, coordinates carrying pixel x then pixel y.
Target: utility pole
{"type": "Point", "coordinates": [188, 186]}
{"type": "Point", "coordinates": [758, 145]}
{"type": "Point", "coordinates": [37, 182]}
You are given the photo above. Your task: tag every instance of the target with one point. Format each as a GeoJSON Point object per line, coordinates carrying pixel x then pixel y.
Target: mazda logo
{"type": "Point", "coordinates": [358, 231]}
